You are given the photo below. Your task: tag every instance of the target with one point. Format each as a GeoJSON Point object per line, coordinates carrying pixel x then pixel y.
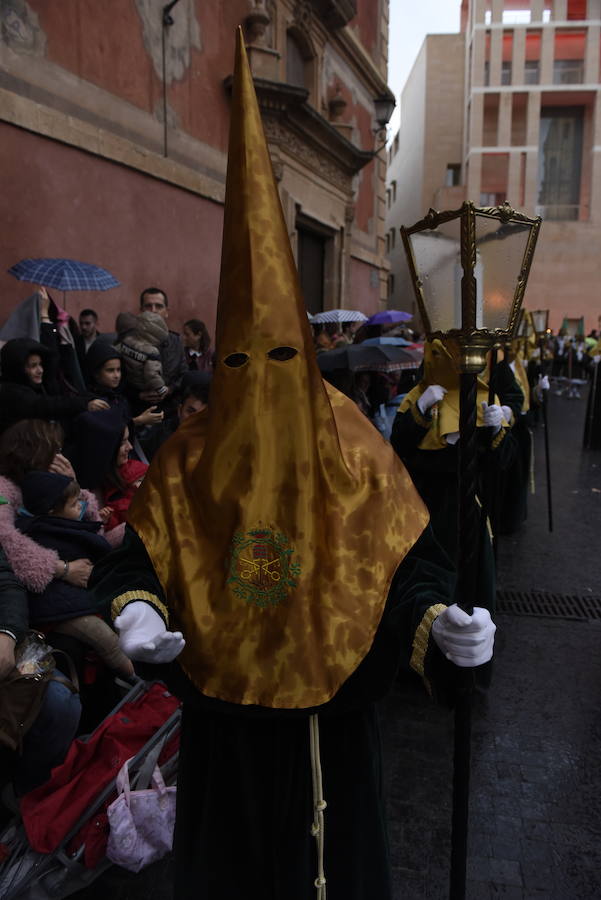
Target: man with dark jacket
{"type": "Point", "coordinates": [88, 334]}
{"type": "Point", "coordinates": [155, 300]}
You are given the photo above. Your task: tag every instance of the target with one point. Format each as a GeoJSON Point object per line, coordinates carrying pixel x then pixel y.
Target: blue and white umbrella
{"type": "Point", "coordinates": [64, 274]}
{"type": "Point", "coordinates": [339, 316]}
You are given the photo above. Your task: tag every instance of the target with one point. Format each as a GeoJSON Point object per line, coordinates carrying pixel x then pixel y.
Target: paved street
{"type": "Point", "coordinates": [536, 819]}
{"type": "Point", "coordinates": [536, 823]}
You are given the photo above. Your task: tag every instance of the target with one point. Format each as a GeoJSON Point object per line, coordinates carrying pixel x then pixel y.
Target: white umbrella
{"type": "Point", "coordinates": [339, 316]}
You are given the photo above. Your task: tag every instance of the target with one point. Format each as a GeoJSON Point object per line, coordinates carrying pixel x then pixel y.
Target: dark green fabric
{"type": "Point", "coordinates": [514, 482]}
{"type": "Point", "coordinates": [434, 473]}
{"type": "Point", "coordinates": [244, 786]}
{"type": "Point", "coordinates": [507, 388]}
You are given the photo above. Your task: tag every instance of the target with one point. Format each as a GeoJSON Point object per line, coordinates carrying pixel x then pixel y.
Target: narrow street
{"type": "Point", "coordinates": [535, 808]}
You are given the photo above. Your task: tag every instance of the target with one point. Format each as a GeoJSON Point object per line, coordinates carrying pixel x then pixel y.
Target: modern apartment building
{"type": "Point", "coordinates": [509, 109]}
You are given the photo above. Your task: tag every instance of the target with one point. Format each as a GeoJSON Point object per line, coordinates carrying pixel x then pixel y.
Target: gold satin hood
{"type": "Point", "coordinates": [276, 521]}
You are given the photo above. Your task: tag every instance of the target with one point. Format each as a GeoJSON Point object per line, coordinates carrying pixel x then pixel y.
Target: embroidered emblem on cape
{"type": "Point", "coordinates": [261, 570]}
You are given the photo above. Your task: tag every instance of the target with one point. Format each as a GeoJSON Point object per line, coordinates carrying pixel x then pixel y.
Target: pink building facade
{"type": "Point", "coordinates": [113, 143]}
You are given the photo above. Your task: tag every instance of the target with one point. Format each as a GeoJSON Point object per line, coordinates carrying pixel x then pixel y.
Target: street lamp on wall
{"type": "Point", "coordinates": [384, 106]}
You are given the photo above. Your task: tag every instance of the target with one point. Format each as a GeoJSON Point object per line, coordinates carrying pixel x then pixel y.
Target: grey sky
{"type": "Point", "coordinates": [410, 22]}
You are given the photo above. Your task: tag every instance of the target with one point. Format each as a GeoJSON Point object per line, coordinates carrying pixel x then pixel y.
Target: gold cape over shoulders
{"type": "Point", "coordinates": [276, 521]}
{"type": "Point", "coordinates": [440, 367]}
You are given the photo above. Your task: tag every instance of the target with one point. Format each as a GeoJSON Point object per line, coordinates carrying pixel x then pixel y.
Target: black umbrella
{"type": "Point", "coordinates": [359, 357]}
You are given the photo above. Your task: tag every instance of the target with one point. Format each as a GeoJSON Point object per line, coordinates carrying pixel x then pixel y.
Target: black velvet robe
{"type": "Point", "coordinates": [244, 808]}
{"type": "Point", "coordinates": [592, 420]}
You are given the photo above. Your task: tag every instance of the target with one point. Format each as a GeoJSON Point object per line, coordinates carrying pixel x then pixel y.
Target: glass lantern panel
{"type": "Point", "coordinates": [500, 249]}
{"type": "Point", "coordinates": [540, 317]}
{"type": "Point", "coordinates": [437, 257]}
{"type": "Point", "coordinates": [523, 325]}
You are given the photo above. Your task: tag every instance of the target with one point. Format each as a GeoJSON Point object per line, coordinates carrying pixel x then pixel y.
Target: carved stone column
{"type": "Point", "coordinates": [263, 59]}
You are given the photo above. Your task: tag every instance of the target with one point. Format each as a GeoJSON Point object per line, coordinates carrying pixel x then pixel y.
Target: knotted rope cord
{"type": "Point", "coordinates": [319, 804]}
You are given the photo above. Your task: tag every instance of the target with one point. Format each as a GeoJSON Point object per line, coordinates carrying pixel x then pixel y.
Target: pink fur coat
{"type": "Point", "coordinates": [33, 564]}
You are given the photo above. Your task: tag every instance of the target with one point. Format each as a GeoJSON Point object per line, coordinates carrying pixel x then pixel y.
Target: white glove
{"type": "Point", "coordinates": [507, 414]}
{"type": "Point", "coordinates": [596, 359]}
{"type": "Point", "coordinates": [465, 640]}
{"type": "Point", "coordinates": [431, 395]}
{"type": "Point", "coordinates": [543, 382]}
{"type": "Point", "coordinates": [493, 416]}
{"type": "Point", "coordinates": [143, 634]}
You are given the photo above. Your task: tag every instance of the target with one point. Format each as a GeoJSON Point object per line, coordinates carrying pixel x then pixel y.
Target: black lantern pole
{"type": "Point", "coordinates": [540, 319]}
{"type": "Point", "coordinates": [469, 269]}
{"type": "Point", "coordinates": [492, 477]}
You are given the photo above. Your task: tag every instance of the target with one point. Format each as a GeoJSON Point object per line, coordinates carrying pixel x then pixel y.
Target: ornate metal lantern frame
{"type": "Point", "coordinates": [540, 317]}
{"type": "Point", "coordinates": [473, 341]}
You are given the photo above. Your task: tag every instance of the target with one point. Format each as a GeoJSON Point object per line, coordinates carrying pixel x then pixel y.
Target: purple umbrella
{"type": "Point", "coordinates": [389, 317]}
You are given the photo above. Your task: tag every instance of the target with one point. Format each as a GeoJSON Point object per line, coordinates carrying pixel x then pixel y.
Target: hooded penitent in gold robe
{"type": "Point", "coordinates": [441, 367]}
{"type": "Point", "coordinates": [276, 521]}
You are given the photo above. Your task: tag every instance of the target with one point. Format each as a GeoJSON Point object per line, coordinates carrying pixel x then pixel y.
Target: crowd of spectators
{"type": "Point", "coordinates": [81, 415]}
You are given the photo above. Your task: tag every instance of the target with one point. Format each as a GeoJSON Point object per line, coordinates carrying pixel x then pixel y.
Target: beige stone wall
{"type": "Point", "coordinates": [444, 111]}
{"type": "Point", "coordinates": [500, 153]}
{"type": "Point", "coordinates": [404, 179]}
{"type": "Point", "coordinates": [565, 273]}
{"type": "Point", "coordinates": [505, 119]}
{"type": "Point", "coordinates": [430, 138]}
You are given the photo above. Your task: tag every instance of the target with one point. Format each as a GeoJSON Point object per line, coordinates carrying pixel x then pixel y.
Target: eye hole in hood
{"type": "Point", "coordinates": [235, 360]}
{"type": "Point", "coordinates": [282, 354]}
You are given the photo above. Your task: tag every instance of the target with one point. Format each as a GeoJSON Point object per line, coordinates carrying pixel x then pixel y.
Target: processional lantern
{"type": "Point", "coordinates": [540, 321]}
{"type": "Point", "coordinates": [469, 269]}
{"type": "Point", "coordinates": [525, 331]}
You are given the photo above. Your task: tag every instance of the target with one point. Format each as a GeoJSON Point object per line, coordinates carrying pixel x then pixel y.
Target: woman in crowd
{"type": "Point", "coordinates": [121, 482]}
{"type": "Point", "coordinates": [197, 345]}
{"type": "Point", "coordinates": [40, 319]}
{"type": "Point", "coordinates": [52, 516]}
{"type": "Point", "coordinates": [46, 743]}
{"type": "Point", "coordinates": [34, 444]}
{"type": "Point", "coordinates": [24, 393]}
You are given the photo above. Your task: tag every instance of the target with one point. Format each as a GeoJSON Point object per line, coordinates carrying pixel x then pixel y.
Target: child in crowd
{"type": "Point", "coordinates": [52, 517]}
{"type": "Point", "coordinates": [104, 370]}
{"type": "Point", "coordinates": [124, 478]}
{"type": "Point", "coordinates": [139, 341]}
